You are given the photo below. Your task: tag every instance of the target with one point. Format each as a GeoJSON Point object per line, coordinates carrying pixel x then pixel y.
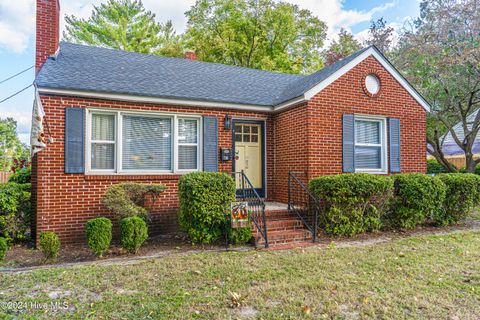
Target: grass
{"type": "Point", "coordinates": [433, 277]}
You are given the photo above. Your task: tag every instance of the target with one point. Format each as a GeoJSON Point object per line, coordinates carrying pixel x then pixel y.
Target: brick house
{"type": "Point", "coordinates": [119, 116]}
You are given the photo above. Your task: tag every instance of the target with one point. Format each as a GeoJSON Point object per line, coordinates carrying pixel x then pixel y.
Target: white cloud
{"type": "Point", "coordinates": [336, 17]}
{"type": "Point", "coordinates": [17, 22]}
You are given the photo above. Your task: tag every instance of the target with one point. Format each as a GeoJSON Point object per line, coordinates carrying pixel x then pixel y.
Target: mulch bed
{"type": "Point", "coordinates": [25, 256]}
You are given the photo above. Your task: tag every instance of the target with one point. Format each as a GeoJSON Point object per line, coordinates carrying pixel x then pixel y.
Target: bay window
{"type": "Point", "coordinates": [133, 142]}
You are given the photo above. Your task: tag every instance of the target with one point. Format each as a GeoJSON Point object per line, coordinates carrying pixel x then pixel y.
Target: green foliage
{"type": "Point", "coordinates": [265, 34]}
{"type": "Point", "coordinates": [352, 203]}
{"type": "Point", "coordinates": [239, 235]}
{"type": "Point", "coordinates": [434, 167]}
{"type": "Point", "coordinates": [133, 233]}
{"type": "Point", "coordinates": [381, 35]}
{"type": "Point", "coordinates": [417, 197]}
{"type": "Point", "coordinates": [10, 146]}
{"type": "Point", "coordinates": [124, 25]}
{"type": "Point", "coordinates": [3, 248]}
{"type": "Point", "coordinates": [205, 199]}
{"type": "Point", "coordinates": [128, 199]}
{"type": "Point", "coordinates": [341, 48]}
{"type": "Point", "coordinates": [21, 176]}
{"type": "Point", "coordinates": [99, 235]}
{"type": "Point", "coordinates": [15, 211]}
{"type": "Point", "coordinates": [49, 245]}
{"type": "Point", "coordinates": [462, 191]}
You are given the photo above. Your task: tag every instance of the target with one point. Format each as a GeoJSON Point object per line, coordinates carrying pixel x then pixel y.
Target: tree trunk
{"type": "Point", "coordinates": [469, 163]}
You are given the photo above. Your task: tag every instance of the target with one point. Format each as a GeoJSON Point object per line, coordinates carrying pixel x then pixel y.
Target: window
{"type": "Point", "coordinates": [246, 133]}
{"type": "Point", "coordinates": [187, 144]}
{"type": "Point", "coordinates": [143, 143]}
{"type": "Point", "coordinates": [370, 145]}
{"type": "Point", "coordinates": [103, 142]}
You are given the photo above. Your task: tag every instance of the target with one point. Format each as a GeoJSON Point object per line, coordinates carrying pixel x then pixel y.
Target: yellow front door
{"type": "Point", "coordinates": [248, 152]}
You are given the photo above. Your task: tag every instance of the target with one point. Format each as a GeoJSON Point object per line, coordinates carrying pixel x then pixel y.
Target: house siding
{"type": "Point", "coordinates": [347, 96]}
{"type": "Point", "coordinates": [65, 202]}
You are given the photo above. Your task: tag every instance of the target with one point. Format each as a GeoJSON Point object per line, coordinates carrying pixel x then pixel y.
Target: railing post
{"type": "Point", "coordinates": [289, 191]}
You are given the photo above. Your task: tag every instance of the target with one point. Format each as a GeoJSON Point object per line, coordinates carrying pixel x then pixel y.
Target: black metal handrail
{"type": "Point", "coordinates": [256, 206]}
{"type": "Point", "coordinates": [303, 203]}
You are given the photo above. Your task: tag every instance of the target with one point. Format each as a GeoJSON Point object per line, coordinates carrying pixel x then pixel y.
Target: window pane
{"type": "Point", "coordinates": [103, 156]}
{"type": "Point", "coordinates": [368, 157]}
{"type": "Point", "coordinates": [254, 138]}
{"type": "Point", "coordinates": [187, 131]}
{"type": "Point", "coordinates": [238, 138]}
{"type": "Point", "coordinates": [187, 157]}
{"type": "Point", "coordinates": [238, 129]}
{"type": "Point", "coordinates": [246, 129]}
{"type": "Point", "coordinates": [103, 127]}
{"type": "Point", "coordinates": [254, 129]}
{"type": "Point", "coordinates": [147, 143]}
{"type": "Point", "coordinates": [246, 138]}
{"type": "Point", "coordinates": [367, 132]}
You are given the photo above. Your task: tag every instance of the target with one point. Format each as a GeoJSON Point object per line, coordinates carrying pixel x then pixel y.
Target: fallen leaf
{"type": "Point", "coordinates": [306, 309]}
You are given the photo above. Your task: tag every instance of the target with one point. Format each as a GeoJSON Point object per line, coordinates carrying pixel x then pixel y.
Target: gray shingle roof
{"type": "Point", "coordinates": [101, 70]}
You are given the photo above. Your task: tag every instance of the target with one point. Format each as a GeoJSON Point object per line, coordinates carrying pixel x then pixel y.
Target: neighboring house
{"type": "Point", "coordinates": [450, 148]}
{"type": "Point", "coordinates": [118, 116]}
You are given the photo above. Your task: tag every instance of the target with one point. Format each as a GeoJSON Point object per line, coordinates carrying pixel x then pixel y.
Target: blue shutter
{"type": "Point", "coordinates": [74, 140]}
{"type": "Point", "coordinates": [210, 144]}
{"type": "Point", "coordinates": [394, 134]}
{"type": "Point", "coordinates": [348, 140]}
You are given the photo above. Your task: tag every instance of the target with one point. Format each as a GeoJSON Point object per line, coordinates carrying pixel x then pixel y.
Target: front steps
{"type": "Point", "coordinates": [284, 229]}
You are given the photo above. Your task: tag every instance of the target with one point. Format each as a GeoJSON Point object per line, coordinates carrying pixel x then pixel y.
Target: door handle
{"type": "Point", "coordinates": [246, 164]}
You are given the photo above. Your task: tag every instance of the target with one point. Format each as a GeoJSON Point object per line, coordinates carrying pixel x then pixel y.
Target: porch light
{"type": "Point", "coordinates": [228, 122]}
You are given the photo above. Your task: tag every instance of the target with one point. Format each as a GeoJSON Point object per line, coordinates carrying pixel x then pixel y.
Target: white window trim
{"type": "Point", "coordinates": [118, 170]}
{"type": "Point", "coordinates": [383, 144]}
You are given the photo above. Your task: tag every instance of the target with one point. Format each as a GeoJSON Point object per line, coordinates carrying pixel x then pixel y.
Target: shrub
{"type": "Point", "coordinates": [239, 235]}
{"type": "Point", "coordinates": [99, 235]}
{"type": "Point", "coordinates": [417, 197]}
{"type": "Point", "coordinates": [128, 199]}
{"type": "Point", "coordinates": [3, 248]}
{"type": "Point", "coordinates": [49, 245]}
{"type": "Point", "coordinates": [352, 203]}
{"type": "Point", "coordinates": [462, 191]}
{"type": "Point", "coordinates": [434, 167]}
{"type": "Point", "coordinates": [133, 233]}
{"type": "Point", "coordinates": [205, 199]}
{"type": "Point", "coordinates": [15, 211]}
{"type": "Point", "coordinates": [21, 176]}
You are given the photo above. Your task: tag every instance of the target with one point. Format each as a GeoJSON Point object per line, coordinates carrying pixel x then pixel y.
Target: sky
{"type": "Point", "coordinates": [17, 35]}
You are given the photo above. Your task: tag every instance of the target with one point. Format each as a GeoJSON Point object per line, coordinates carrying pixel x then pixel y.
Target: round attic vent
{"type": "Point", "coordinates": [372, 84]}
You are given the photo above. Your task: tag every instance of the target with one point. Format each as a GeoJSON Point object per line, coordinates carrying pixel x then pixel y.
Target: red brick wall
{"type": "Point", "coordinates": [64, 202]}
{"type": "Point", "coordinates": [346, 96]}
{"type": "Point", "coordinates": [47, 30]}
{"type": "Point", "coordinates": [309, 137]}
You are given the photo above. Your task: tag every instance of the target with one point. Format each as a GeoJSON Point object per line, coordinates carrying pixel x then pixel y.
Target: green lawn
{"type": "Point", "coordinates": [423, 277]}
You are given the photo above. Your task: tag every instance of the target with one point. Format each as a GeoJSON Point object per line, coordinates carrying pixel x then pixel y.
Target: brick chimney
{"type": "Point", "coordinates": [190, 55]}
{"type": "Point", "coordinates": [48, 31]}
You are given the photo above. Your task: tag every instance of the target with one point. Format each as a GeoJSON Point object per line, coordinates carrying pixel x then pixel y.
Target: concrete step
{"type": "Point", "coordinates": [281, 237]}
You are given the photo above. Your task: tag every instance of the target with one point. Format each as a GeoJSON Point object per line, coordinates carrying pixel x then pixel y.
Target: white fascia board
{"type": "Point", "coordinates": [155, 100]}
{"type": "Point", "coordinates": [289, 104]}
{"type": "Point", "coordinates": [370, 52]}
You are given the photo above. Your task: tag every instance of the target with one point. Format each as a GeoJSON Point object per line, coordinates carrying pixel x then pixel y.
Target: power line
{"type": "Point", "coordinates": [13, 95]}
{"type": "Point", "coordinates": [16, 75]}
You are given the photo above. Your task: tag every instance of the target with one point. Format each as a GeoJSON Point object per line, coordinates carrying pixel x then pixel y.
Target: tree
{"type": "Point", "coordinates": [124, 25]}
{"type": "Point", "coordinates": [440, 55]}
{"type": "Point", "coordinates": [261, 34]}
{"type": "Point", "coordinates": [10, 146]}
{"type": "Point", "coordinates": [380, 35]}
{"type": "Point", "coordinates": [345, 46]}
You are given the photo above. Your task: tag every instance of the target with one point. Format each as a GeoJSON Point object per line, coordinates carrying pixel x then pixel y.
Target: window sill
{"type": "Point", "coordinates": [372, 172]}
{"type": "Point", "coordinates": [132, 176]}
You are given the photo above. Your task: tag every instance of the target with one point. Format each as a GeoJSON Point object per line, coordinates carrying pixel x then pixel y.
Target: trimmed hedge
{"type": "Point", "coordinates": [239, 235]}
{"type": "Point", "coordinates": [99, 235]}
{"type": "Point", "coordinates": [417, 197]}
{"type": "Point", "coordinates": [462, 191]}
{"type": "Point", "coordinates": [205, 199]}
{"type": "Point", "coordinates": [352, 203]}
{"type": "Point", "coordinates": [21, 176]}
{"type": "Point", "coordinates": [49, 245]}
{"type": "Point", "coordinates": [3, 248]}
{"type": "Point", "coordinates": [133, 233]}
{"type": "Point", "coordinates": [128, 199]}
